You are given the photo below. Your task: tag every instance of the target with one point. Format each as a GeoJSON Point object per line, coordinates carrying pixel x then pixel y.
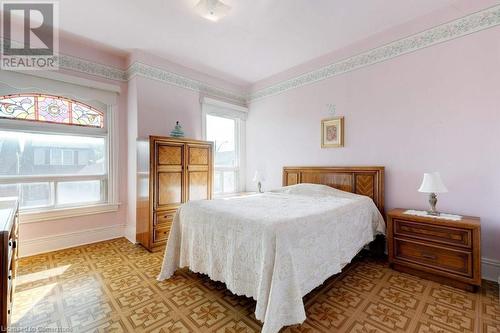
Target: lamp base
{"type": "Point", "coordinates": [433, 201]}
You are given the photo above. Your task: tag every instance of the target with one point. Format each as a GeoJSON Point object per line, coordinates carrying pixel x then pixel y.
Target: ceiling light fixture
{"type": "Point", "coordinates": [212, 10]}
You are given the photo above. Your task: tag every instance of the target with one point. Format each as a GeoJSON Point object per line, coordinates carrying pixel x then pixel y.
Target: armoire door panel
{"type": "Point", "coordinates": [198, 188]}
{"type": "Point", "coordinates": [169, 189]}
{"type": "Point", "coordinates": [198, 155]}
{"type": "Point", "coordinates": [193, 168]}
{"type": "Point", "coordinates": [169, 154]}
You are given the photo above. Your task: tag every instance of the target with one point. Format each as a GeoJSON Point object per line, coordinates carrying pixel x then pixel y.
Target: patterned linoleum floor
{"type": "Point", "coordinates": [111, 287]}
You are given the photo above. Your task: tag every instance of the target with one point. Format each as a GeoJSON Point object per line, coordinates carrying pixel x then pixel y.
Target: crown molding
{"type": "Point", "coordinates": [482, 20]}
{"type": "Point", "coordinates": [150, 72]}
{"type": "Point", "coordinates": [158, 74]}
{"type": "Point", "coordinates": [76, 64]}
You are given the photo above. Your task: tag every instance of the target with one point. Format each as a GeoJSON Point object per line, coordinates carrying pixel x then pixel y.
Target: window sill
{"type": "Point", "coordinates": [64, 213]}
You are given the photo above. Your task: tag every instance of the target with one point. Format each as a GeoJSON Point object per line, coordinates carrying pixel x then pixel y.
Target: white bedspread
{"type": "Point", "coordinates": [274, 247]}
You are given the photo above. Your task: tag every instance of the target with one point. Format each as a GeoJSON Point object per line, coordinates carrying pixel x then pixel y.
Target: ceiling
{"type": "Point", "coordinates": [257, 39]}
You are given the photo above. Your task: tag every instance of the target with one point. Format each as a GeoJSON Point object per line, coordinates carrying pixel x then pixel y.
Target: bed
{"type": "Point", "coordinates": [278, 246]}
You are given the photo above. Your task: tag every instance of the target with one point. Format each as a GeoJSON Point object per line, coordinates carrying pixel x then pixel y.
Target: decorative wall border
{"type": "Point", "coordinates": [77, 64]}
{"type": "Point", "coordinates": [158, 74]}
{"type": "Point", "coordinates": [91, 68]}
{"type": "Point", "coordinates": [140, 69]}
{"type": "Point", "coordinates": [466, 25]}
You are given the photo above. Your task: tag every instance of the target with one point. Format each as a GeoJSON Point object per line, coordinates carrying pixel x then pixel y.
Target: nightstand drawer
{"type": "Point", "coordinates": [436, 257]}
{"type": "Point", "coordinates": [440, 234]}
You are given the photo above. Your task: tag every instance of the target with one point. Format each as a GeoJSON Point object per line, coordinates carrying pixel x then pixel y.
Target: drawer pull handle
{"type": "Point", "coordinates": [14, 244]}
{"type": "Point", "coordinates": [428, 256]}
{"type": "Point", "coordinates": [8, 311]}
{"type": "Point", "coordinates": [10, 277]}
{"type": "Point", "coordinates": [167, 216]}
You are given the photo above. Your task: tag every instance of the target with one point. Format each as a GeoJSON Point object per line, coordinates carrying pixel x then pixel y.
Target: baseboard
{"type": "Point", "coordinates": [490, 269]}
{"type": "Point", "coordinates": [31, 247]}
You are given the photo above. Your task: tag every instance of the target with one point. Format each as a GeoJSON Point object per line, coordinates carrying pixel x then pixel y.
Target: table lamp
{"type": "Point", "coordinates": [432, 184]}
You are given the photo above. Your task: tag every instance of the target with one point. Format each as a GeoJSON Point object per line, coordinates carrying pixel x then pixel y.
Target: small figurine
{"type": "Point", "coordinates": [177, 132]}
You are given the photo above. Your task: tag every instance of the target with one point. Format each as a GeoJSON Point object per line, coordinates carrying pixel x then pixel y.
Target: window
{"type": "Point", "coordinates": [224, 125]}
{"type": "Point", "coordinates": [48, 108]}
{"type": "Point", "coordinates": [67, 157]}
{"type": "Point", "coordinates": [39, 156]}
{"type": "Point", "coordinates": [55, 156]}
{"type": "Point", "coordinates": [83, 157]}
{"type": "Point", "coordinates": [54, 152]}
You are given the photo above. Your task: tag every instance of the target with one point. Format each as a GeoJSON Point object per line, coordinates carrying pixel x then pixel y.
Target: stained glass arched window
{"type": "Point", "coordinates": [50, 109]}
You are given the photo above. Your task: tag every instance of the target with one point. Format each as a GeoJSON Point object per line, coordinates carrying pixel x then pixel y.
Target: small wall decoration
{"type": "Point", "coordinates": [332, 132]}
{"type": "Point", "coordinates": [332, 108]}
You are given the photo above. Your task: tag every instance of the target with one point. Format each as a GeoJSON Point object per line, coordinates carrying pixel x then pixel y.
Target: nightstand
{"type": "Point", "coordinates": [437, 249]}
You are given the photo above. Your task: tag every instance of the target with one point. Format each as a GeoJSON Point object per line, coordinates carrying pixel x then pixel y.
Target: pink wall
{"type": "Point", "coordinates": [432, 110]}
{"type": "Point", "coordinates": [153, 109]}
{"type": "Point", "coordinates": [459, 9]}
{"type": "Point", "coordinates": [131, 158]}
{"type": "Point", "coordinates": [161, 105]}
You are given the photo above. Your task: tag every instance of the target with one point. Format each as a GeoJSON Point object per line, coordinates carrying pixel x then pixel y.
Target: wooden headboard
{"type": "Point", "coordinates": [367, 181]}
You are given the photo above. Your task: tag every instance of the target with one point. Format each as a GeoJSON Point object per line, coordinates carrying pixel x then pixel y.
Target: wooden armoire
{"type": "Point", "coordinates": [170, 171]}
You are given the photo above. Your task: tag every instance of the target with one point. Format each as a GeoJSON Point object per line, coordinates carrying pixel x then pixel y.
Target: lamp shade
{"type": "Point", "coordinates": [432, 183]}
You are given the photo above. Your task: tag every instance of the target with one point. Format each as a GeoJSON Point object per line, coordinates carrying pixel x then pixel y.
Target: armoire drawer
{"type": "Point", "coordinates": [160, 234]}
{"type": "Point", "coordinates": [164, 218]}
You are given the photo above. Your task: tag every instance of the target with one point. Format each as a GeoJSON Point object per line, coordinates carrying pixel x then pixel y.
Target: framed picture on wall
{"type": "Point", "coordinates": [332, 132]}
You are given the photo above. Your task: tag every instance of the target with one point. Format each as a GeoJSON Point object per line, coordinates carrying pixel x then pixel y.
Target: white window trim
{"type": "Point", "coordinates": [12, 83]}
{"type": "Point", "coordinates": [113, 149]}
{"type": "Point", "coordinates": [210, 106]}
